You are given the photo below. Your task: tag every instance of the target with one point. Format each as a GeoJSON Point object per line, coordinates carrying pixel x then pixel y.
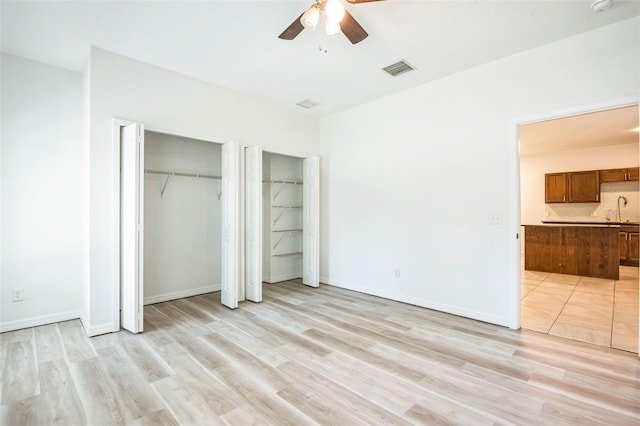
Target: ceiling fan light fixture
{"type": "Point", "coordinates": [311, 17]}
{"type": "Point", "coordinates": [331, 27]}
{"type": "Point", "coordinates": [334, 10]}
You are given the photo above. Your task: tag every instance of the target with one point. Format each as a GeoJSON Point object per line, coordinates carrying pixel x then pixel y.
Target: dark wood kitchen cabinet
{"type": "Point", "coordinates": [572, 187]}
{"type": "Point", "coordinates": [629, 245]}
{"type": "Point", "coordinates": [620, 175]}
{"type": "Point", "coordinates": [555, 188]}
{"type": "Point", "coordinates": [583, 187]}
{"type": "Point", "coordinates": [589, 251]}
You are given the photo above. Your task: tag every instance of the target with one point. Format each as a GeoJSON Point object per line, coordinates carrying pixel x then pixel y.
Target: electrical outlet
{"type": "Point", "coordinates": [17, 294]}
{"type": "Point", "coordinates": [396, 273]}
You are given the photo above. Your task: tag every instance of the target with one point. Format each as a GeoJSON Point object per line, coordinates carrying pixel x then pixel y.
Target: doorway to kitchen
{"type": "Point", "coordinates": [579, 215]}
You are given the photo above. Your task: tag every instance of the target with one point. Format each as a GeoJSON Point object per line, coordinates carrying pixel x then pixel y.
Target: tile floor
{"type": "Point", "coordinates": [592, 310]}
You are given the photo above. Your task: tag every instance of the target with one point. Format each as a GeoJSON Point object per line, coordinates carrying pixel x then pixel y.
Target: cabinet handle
{"type": "Point", "coordinates": [564, 198]}
{"type": "Point", "coordinates": [597, 197]}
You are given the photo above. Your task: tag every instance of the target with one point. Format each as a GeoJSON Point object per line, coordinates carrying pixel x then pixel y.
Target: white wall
{"type": "Point", "coordinates": [42, 193]}
{"type": "Point", "coordinates": [164, 100]}
{"type": "Point", "coordinates": [409, 181]}
{"type": "Point", "coordinates": [182, 225]}
{"type": "Point", "coordinates": [534, 167]}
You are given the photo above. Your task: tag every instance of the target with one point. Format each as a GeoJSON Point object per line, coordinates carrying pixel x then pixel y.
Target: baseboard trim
{"type": "Point", "coordinates": [284, 277]}
{"type": "Point", "coordinates": [423, 303]}
{"type": "Point", "coordinates": [97, 330]}
{"type": "Point", "coordinates": [38, 321]}
{"type": "Point", "coordinates": [180, 294]}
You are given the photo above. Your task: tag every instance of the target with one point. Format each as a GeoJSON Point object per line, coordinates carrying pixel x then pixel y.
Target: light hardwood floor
{"type": "Point", "coordinates": [311, 356]}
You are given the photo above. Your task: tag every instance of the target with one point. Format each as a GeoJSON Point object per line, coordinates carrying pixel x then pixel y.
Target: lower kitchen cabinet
{"type": "Point", "coordinates": [589, 251]}
{"type": "Point", "coordinates": [629, 246]}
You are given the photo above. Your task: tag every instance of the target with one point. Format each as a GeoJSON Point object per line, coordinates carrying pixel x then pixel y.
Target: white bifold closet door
{"type": "Point", "coordinates": [253, 221]}
{"type": "Point", "coordinates": [310, 223]}
{"type": "Point", "coordinates": [230, 219]}
{"type": "Point", "coordinates": [131, 226]}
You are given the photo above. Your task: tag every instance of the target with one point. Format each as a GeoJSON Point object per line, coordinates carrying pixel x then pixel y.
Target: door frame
{"type": "Point", "coordinates": [514, 185]}
{"type": "Point", "coordinates": [116, 125]}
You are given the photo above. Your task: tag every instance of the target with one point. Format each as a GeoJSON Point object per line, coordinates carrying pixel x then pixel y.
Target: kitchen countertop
{"type": "Point", "coordinates": [611, 223]}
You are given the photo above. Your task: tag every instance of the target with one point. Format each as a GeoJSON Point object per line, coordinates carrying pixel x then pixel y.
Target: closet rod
{"type": "Point", "coordinates": [196, 175]}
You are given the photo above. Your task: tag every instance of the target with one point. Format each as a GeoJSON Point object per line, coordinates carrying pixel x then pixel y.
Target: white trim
{"type": "Point", "coordinates": [196, 136]}
{"type": "Point", "coordinates": [38, 321]}
{"type": "Point", "coordinates": [279, 278]}
{"type": "Point", "coordinates": [100, 329]}
{"type": "Point", "coordinates": [288, 154]}
{"type": "Point", "coordinates": [117, 124]}
{"type": "Point", "coordinates": [180, 294]}
{"type": "Point", "coordinates": [577, 110]}
{"type": "Point", "coordinates": [514, 229]}
{"type": "Point", "coordinates": [514, 186]}
{"type": "Point", "coordinates": [423, 303]}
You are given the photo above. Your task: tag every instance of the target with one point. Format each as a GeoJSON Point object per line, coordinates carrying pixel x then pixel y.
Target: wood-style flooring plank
{"type": "Point", "coordinates": [211, 396]}
{"type": "Point", "coordinates": [61, 404]}
{"type": "Point", "coordinates": [77, 345]}
{"type": "Point", "coordinates": [48, 343]}
{"type": "Point", "coordinates": [159, 418]}
{"type": "Point", "coordinates": [311, 356]}
{"type": "Point", "coordinates": [100, 399]}
{"type": "Point", "coordinates": [129, 383]}
{"type": "Point", "coordinates": [148, 362]}
{"type": "Point", "coordinates": [334, 395]}
{"type": "Point", "coordinates": [20, 376]}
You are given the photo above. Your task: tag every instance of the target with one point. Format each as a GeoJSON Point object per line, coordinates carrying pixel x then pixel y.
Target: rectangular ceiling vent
{"type": "Point", "coordinates": [398, 68]}
{"type": "Point", "coordinates": [307, 103]}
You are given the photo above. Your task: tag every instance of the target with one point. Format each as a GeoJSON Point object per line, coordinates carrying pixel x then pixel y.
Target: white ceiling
{"type": "Point", "coordinates": [602, 128]}
{"type": "Point", "coordinates": [234, 44]}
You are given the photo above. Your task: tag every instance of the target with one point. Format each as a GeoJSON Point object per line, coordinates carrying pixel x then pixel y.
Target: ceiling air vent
{"type": "Point", "coordinates": [398, 68]}
{"type": "Point", "coordinates": [307, 103]}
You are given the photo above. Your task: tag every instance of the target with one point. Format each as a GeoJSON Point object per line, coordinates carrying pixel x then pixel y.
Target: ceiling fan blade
{"type": "Point", "coordinates": [352, 29]}
{"type": "Point", "coordinates": [360, 1]}
{"type": "Point", "coordinates": [292, 30]}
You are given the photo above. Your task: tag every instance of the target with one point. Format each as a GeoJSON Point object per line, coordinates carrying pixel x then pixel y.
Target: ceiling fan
{"type": "Point", "coordinates": [336, 19]}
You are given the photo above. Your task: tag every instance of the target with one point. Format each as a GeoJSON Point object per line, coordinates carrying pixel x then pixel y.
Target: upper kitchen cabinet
{"type": "Point", "coordinates": [555, 188]}
{"type": "Point", "coordinates": [572, 187]}
{"type": "Point", "coordinates": [583, 187]}
{"type": "Point", "coordinates": [620, 175]}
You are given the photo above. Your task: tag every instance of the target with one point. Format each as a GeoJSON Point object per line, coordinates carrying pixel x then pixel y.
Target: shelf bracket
{"type": "Point", "coordinates": [219, 195]}
{"type": "Point", "coordinates": [280, 240]}
{"type": "Point", "coordinates": [166, 181]}
{"type": "Point", "coordinates": [275, 221]}
{"type": "Point", "coordinates": [279, 190]}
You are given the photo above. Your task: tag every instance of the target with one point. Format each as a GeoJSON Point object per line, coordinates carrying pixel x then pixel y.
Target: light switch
{"type": "Point", "coordinates": [495, 219]}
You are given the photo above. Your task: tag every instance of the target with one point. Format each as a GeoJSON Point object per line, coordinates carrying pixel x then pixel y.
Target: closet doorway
{"type": "Point", "coordinates": [290, 198]}
{"type": "Point", "coordinates": [178, 220]}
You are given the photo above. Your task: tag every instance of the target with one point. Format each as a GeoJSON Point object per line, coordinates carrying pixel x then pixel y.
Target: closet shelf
{"type": "Point", "coordinates": [296, 253]}
{"type": "Point", "coordinates": [290, 181]}
{"type": "Point", "coordinates": [290, 231]}
{"type": "Point", "coordinates": [195, 175]}
{"type": "Point", "coordinates": [169, 174]}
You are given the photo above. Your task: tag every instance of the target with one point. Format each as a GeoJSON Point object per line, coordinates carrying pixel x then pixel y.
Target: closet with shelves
{"type": "Point", "coordinates": [289, 221]}
{"type": "Point", "coordinates": [283, 209]}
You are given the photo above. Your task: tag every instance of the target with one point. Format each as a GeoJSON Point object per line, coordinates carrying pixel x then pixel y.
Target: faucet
{"type": "Point", "coordinates": [624, 199]}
